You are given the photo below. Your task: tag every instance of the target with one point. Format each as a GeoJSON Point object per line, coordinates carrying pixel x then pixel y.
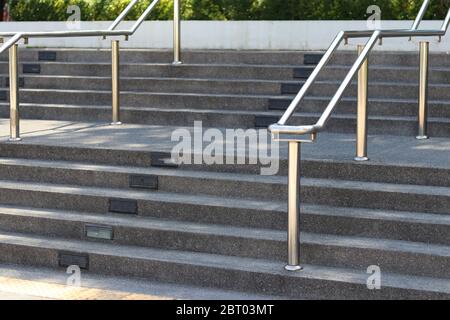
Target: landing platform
{"type": "Point", "coordinates": [383, 149]}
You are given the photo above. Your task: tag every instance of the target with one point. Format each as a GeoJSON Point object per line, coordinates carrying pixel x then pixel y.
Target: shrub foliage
{"type": "Point", "coordinates": [56, 10]}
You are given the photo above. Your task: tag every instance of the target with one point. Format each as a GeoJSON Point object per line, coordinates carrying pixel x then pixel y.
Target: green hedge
{"type": "Point", "coordinates": [56, 10]}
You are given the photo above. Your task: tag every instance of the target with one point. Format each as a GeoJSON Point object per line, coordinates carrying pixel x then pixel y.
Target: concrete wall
{"type": "Point", "coordinates": [261, 35]}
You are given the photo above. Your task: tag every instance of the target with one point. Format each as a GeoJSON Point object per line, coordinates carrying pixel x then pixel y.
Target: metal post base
{"type": "Point", "coordinates": [361, 159]}
{"type": "Point", "coordinates": [422, 137]}
{"type": "Point", "coordinates": [116, 123]}
{"type": "Point", "coordinates": [177, 63]}
{"type": "Point", "coordinates": [293, 268]}
{"type": "Point", "coordinates": [14, 139]}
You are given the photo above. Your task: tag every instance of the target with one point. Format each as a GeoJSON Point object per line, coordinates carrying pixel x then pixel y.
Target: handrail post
{"type": "Point", "coordinates": [423, 90]}
{"type": "Point", "coordinates": [361, 131]}
{"type": "Point", "coordinates": [294, 207]}
{"type": "Point", "coordinates": [115, 63]}
{"type": "Point", "coordinates": [176, 32]}
{"type": "Point", "coordinates": [14, 94]}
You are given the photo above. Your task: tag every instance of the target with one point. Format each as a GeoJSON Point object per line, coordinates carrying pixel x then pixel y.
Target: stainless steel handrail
{"type": "Point", "coordinates": [123, 14]}
{"type": "Point", "coordinates": [290, 133]}
{"type": "Point", "coordinates": [282, 128]}
{"type": "Point", "coordinates": [15, 37]}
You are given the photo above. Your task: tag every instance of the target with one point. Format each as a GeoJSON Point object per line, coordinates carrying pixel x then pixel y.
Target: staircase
{"type": "Point", "coordinates": [78, 191]}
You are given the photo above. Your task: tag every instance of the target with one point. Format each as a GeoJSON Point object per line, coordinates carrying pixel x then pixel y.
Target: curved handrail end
{"type": "Point", "coordinates": [297, 130]}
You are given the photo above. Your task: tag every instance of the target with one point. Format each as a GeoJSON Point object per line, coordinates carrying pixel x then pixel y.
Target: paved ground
{"type": "Point", "coordinates": [20, 284]}
{"type": "Point", "coordinates": [31, 283]}
{"type": "Point", "coordinates": [15, 296]}
{"type": "Point", "coordinates": [434, 152]}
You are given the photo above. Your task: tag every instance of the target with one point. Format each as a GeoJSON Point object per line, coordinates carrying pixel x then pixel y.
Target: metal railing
{"type": "Point", "coordinates": [293, 134]}
{"type": "Point", "coordinates": [15, 37]}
